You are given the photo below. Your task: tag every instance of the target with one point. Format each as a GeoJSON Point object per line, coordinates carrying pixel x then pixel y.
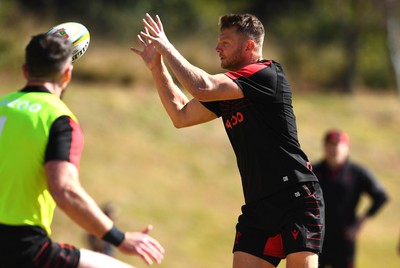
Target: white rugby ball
{"type": "Point", "coordinates": [77, 33]}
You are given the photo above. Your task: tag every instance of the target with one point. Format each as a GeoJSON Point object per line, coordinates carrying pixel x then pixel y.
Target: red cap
{"type": "Point", "coordinates": [336, 136]}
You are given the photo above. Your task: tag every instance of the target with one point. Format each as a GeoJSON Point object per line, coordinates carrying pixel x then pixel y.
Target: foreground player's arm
{"type": "Point", "coordinates": [62, 160]}
{"type": "Point", "coordinates": [182, 112]}
{"type": "Point", "coordinates": [71, 198]}
{"type": "Point", "coordinates": [61, 167]}
{"type": "Point", "coordinates": [202, 86]}
{"type": "Point", "coordinates": [63, 180]}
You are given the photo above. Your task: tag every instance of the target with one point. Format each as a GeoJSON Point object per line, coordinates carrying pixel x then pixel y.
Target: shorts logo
{"type": "Point", "coordinates": [238, 235]}
{"type": "Point", "coordinates": [295, 233]}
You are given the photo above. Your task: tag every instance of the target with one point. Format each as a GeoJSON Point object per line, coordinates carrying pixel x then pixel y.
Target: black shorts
{"type": "Point", "coordinates": [30, 247]}
{"type": "Point", "coordinates": [287, 222]}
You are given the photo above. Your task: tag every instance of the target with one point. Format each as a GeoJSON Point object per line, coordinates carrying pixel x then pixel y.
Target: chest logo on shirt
{"type": "Point", "coordinates": [234, 120]}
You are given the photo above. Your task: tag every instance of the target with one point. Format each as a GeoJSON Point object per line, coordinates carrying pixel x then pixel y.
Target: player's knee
{"type": "Point", "coordinates": [304, 259]}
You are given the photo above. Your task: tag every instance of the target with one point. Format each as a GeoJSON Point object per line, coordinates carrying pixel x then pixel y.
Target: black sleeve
{"type": "Point", "coordinates": [65, 141]}
{"type": "Point", "coordinates": [213, 106]}
{"type": "Point", "coordinates": [375, 190]}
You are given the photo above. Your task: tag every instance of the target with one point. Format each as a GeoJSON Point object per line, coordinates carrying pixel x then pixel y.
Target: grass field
{"type": "Point", "coordinates": [185, 182]}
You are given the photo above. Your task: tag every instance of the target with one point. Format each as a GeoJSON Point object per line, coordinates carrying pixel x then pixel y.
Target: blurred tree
{"type": "Point", "coordinates": [122, 17]}
{"type": "Point", "coordinates": [270, 10]}
{"type": "Point", "coordinates": [351, 16]}
{"type": "Point", "coordinates": [391, 9]}
{"type": "Point", "coordinates": [330, 44]}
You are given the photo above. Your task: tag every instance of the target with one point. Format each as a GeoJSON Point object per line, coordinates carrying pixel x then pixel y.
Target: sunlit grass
{"type": "Point", "coordinates": [185, 182]}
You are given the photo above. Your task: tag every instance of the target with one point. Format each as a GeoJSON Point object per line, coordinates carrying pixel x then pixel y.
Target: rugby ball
{"type": "Point", "coordinates": [77, 33]}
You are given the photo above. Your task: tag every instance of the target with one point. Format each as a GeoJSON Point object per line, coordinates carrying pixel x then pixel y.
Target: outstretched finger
{"type": "Point", "coordinates": [137, 51]}
{"type": "Point", "coordinates": [147, 229]}
{"type": "Point", "coordinates": [140, 41]}
{"type": "Point", "coordinates": [151, 22]}
{"type": "Point", "coordinates": [156, 246]}
{"type": "Point", "coordinates": [147, 32]}
{"type": "Point", "coordinates": [151, 241]}
{"type": "Point", "coordinates": [150, 253]}
{"type": "Point", "coordinates": [147, 36]}
{"type": "Point", "coordinates": [159, 23]}
{"type": "Point", "coordinates": [149, 27]}
{"type": "Point", "coordinates": [144, 255]}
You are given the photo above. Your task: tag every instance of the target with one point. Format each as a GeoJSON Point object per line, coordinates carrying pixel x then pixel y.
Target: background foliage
{"type": "Point", "coordinates": [337, 45]}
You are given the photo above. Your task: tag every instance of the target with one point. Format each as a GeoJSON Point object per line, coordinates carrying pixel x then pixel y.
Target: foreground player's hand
{"type": "Point", "coordinates": [141, 244]}
{"type": "Point", "coordinates": [149, 54]}
{"type": "Point", "coordinates": [155, 33]}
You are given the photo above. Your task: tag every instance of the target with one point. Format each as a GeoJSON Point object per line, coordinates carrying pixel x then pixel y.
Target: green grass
{"type": "Point", "coordinates": [185, 182]}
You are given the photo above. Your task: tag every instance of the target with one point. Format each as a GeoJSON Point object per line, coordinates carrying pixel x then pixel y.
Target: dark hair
{"type": "Point", "coordinates": [46, 55]}
{"type": "Point", "coordinates": [246, 24]}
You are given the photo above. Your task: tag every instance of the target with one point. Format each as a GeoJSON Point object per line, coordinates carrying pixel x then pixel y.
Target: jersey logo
{"type": "Point", "coordinates": [234, 120]}
{"type": "Point", "coordinates": [295, 233]}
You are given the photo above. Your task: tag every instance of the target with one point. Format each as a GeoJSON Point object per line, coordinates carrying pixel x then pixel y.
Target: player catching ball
{"type": "Point", "coordinates": [283, 214]}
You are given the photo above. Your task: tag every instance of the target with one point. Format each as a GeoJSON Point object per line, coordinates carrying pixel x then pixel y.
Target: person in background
{"type": "Point", "coordinates": [97, 244]}
{"type": "Point", "coordinates": [343, 183]}
{"type": "Point", "coordinates": [40, 150]}
{"type": "Point", "coordinates": [283, 212]}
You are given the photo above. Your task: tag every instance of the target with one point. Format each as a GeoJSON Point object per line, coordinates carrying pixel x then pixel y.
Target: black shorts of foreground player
{"type": "Point", "coordinates": [283, 215]}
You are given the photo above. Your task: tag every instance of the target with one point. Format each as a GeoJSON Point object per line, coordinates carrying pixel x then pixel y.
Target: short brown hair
{"type": "Point", "coordinates": [246, 24]}
{"type": "Point", "coordinates": [46, 55]}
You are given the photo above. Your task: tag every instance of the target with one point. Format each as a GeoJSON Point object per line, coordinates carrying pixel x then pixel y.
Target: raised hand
{"type": "Point", "coordinates": [148, 53]}
{"type": "Point", "coordinates": [143, 245]}
{"type": "Point", "coordinates": [154, 32]}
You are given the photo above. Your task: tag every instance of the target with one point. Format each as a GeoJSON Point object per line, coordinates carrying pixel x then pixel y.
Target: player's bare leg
{"type": "Point", "coordinates": [91, 259]}
{"type": "Point", "coordinates": [304, 259]}
{"type": "Point", "coordinates": [245, 260]}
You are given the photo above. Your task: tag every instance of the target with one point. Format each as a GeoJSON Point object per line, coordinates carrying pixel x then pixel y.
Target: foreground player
{"type": "Point", "coordinates": [40, 145]}
{"type": "Point", "coordinates": [283, 212]}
